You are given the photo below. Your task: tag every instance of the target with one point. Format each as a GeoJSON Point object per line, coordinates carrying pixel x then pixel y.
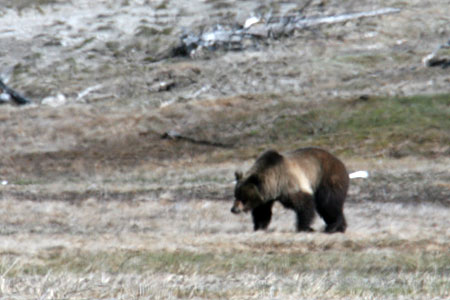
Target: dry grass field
{"type": "Point", "coordinates": [98, 202]}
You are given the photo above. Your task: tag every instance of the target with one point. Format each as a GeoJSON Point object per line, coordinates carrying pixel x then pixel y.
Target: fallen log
{"type": "Point", "coordinates": [440, 57]}
{"type": "Point", "coordinates": [305, 23]}
{"type": "Point", "coordinates": [8, 93]}
{"type": "Point", "coordinates": [257, 28]}
{"type": "Point", "coordinates": [175, 135]}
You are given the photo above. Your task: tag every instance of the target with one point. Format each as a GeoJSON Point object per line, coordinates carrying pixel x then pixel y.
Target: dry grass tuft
{"type": "Point", "coordinates": [197, 249]}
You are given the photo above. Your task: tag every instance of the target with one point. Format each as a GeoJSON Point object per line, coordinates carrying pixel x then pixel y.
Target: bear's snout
{"type": "Point", "coordinates": [235, 210]}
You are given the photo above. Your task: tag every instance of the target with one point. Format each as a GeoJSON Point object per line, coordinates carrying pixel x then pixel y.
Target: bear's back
{"type": "Point", "coordinates": [319, 166]}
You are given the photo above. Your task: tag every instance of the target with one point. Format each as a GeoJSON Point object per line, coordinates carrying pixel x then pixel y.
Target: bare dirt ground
{"type": "Point", "coordinates": [97, 201]}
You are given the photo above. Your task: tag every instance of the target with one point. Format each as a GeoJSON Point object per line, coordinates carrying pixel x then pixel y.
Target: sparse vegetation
{"type": "Point", "coordinates": [348, 263]}
{"type": "Point", "coordinates": [378, 126]}
{"type": "Point", "coordinates": [94, 203]}
{"type": "Point", "coordinates": [332, 273]}
{"type": "Point", "coordinates": [194, 246]}
{"type": "Point", "coordinates": [36, 4]}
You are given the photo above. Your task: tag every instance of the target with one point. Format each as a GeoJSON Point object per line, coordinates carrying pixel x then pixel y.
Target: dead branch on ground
{"type": "Point", "coordinates": [257, 28]}
{"type": "Point", "coordinates": [7, 93]}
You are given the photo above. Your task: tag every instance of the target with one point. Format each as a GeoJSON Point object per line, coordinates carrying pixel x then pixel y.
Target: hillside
{"type": "Point", "coordinates": [123, 188]}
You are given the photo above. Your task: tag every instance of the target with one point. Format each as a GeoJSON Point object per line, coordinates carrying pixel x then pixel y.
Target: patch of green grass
{"type": "Point", "coordinates": [365, 60]}
{"type": "Point", "coordinates": [418, 125]}
{"type": "Point", "coordinates": [337, 273]}
{"type": "Point", "coordinates": [185, 262]}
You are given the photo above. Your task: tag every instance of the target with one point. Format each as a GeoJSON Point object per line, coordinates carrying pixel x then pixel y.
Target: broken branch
{"type": "Point", "coordinates": [256, 28]}
{"type": "Point", "coordinates": [12, 94]}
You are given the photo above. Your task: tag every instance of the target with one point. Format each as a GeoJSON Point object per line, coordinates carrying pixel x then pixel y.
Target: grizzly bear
{"type": "Point", "coordinates": [305, 180]}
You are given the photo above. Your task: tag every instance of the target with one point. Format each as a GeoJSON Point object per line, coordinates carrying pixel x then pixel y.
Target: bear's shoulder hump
{"type": "Point", "coordinates": [270, 158]}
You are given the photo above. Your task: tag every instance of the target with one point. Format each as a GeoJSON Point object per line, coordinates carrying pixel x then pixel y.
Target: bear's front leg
{"type": "Point", "coordinates": [303, 205]}
{"type": "Point", "coordinates": [262, 215]}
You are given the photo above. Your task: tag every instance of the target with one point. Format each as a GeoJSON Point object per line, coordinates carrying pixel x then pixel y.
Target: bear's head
{"type": "Point", "coordinates": [246, 193]}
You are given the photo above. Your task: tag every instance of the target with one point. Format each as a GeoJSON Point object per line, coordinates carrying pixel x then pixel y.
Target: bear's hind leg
{"type": "Point", "coordinates": [330, 208]}
{"type": "Point", "coordinates": [339, 225]}
{"type": "Point", "coordinates": [262, 216]}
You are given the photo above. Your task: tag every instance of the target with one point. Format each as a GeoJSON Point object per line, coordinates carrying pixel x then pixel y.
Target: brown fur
{"type": "Point", "coordinates": [305, 180]}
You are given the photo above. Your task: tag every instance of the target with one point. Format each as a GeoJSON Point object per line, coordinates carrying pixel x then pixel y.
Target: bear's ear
{"type": "Point", "coordinates": [238, 175]}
